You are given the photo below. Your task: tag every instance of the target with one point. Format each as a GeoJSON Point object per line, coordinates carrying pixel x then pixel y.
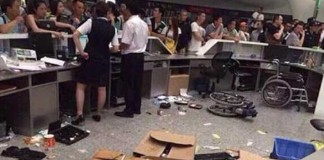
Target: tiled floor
{"type": "Point", "coordinates": [122, 134]}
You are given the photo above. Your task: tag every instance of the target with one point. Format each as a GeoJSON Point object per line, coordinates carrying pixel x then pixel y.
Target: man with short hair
{"type": "Point", "coordinates": [243, 32]}
{"type": "Point", "coordinates": [133, 45]}
{"type": "Point", "coordinates": [185, 37]}
{"type": "Point", "coordinates": [11, 21]}
{"type": "Point", "coordinates": [198, 33]}
{"type": "Point", "coordinates": [275, 30]}
{"type": "Point", "coordinates": [257, 17]}
{"type": "Point", "coordinates": [215, 29]}
{"type": "Point", "coordinates": [287, 29]}
{"type": "Point", "coordinates": [293, 38]}
{"type": "Point", "coordinates": [157, 23]}
{"type": "Point", "coordinates": [230, 33]}
{"type": "Point", "coordinates": [78, 16]}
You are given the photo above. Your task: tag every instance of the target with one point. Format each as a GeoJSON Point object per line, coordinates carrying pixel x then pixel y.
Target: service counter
{"type": "Point", "coordinates": [35, 101]}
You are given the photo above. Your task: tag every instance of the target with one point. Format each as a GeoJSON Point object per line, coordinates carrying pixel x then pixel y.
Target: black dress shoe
{"type": "Point", "coordinates": [138, 112]}
{"type": "Point", "coordinates": [124, 114]}
{"type": "Point", "coordinates": [78, 121]}
{"type": "Point", "coordinates": [96, 118]}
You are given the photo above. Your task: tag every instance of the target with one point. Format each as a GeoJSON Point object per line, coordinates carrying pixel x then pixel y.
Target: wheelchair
{"type": "Point", "coordinates": [227, 104]}
{"type": "Point", "coordinates": [282, 88]}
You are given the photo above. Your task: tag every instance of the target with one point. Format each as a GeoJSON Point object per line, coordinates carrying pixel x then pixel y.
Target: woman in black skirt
{"type": "Point", "coordinates": [93, 71]}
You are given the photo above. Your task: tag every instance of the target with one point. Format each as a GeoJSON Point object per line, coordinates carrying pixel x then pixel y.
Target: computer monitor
{"type": "Point", "coordinates": [42, 43]}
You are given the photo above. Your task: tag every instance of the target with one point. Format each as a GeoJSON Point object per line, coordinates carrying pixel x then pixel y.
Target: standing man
{"type": "Point", "coordinates": [243, 32]}
{"type": "Point", "coordinates": [133, 45]}
{"type": "Point", "coordinates": [293, 38]}
{"type": "Point", "coordinates": [184, 38]}
{"type": "Point", "coordinates": [257, 16]}
{"type": "Point", "coordinates": [255, 35]}
{"type": "Point", "coordinates": [198, 33]}
{"type": "Point", "coordinates": [157, 23]}
{"type": "Point", "coordinates": [275, 31]}
{"type": "Point", "coordinates": [215, 29]}
{"type": "Point", "coordinates": [286, 32]}
{"type": "Point", "coordinates": [11, 21]}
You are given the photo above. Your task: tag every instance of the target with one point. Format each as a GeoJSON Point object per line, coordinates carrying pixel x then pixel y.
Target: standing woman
{"type": "Point", "coordinates": [57, 8]}
{"type": "Point", "coordinates": [94, 69]}
{"type": "Point", "coordinates": [171, 34]}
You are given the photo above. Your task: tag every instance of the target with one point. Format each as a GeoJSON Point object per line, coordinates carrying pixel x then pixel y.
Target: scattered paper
{"type": "Point", "coordinates": [182, 113]}
{"type": "Point", "coordinates": [216, 136]}
{"type": "Point", "coordinates": [261, 132]}
{"type": "Point", "coordinates": [183, 93]}
{"type": "Point", "coordinates": [53, 61]}
{"type": "Point", "coordinates": [82, 151]}
{"type": "Point", "coordinates": [3, 145]}
{"type": "Point", "coordinates": [207, 124]}
{"type": "Point", "coordinates": [249, 143]}
{"type": "Point", "coordinates": [211, 147]}
{"type": "Point", "coordinates": [197, 148]}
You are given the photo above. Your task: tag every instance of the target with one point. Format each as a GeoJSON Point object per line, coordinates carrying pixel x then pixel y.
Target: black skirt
{"type": "Point", "coordinates": [93, 72]}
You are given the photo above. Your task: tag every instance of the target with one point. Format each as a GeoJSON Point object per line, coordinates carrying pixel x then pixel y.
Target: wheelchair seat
{"type": "Point", "coordinates": [291, 76]}
{"type": "Point", "coordinates": [318, 124]}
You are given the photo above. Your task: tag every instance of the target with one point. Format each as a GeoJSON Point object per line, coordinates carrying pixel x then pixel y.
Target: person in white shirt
{"type": "Point", "coordinates": [257, 17]}
{"type": "Point", "coordinates": [133, 45]}
{"type": "Point", "coordinates": [171, 34]}
{"type": "Point", "coordinates": [95, 66]}
{"type": "Point", "coordinates": [243, 32]}
{"type": "Point", "coordinates": [198, 33]}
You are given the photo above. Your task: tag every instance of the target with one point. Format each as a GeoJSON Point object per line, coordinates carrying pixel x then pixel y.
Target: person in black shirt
{"type": "Point", "coordinates": [185, 26]}
{"type": "Point", "coordinates": [312, 35]}
{"type": "Point", "coordinates": [275, 31]}
{"type": "Point", "coordinates": [157, 24]}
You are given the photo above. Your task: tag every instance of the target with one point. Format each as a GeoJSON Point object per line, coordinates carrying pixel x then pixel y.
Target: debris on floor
{"type": "Point", "coordinates": [82, 151]}
{"type": "Point", "coordinates": [207, 124]}
{"type": "Point", "coordinates": [182, 113]}
{"type": "Point", "coordinates": [3, 145]}
{"type": "Point", "coordinates": [216, 136]}
{"type": "Point", "coordinates": [249, 143]}
{"type": "Point", "coordinates": [262, 132]}
{"type": "Point", "coordinates": [211, 147]}
{"type": "Point", "coordinates": [149, 113]}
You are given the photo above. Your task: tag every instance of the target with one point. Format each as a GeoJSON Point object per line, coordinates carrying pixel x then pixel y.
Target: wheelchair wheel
{"type": "Point", "coordinates": [225, 111]}
{"type": "Point", "coordinates": [276, 93]}
{"type": "Point", "coordinates": [227, 99]}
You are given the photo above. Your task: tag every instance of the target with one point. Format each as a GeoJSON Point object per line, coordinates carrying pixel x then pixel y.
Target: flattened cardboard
{"type": "Point", "coordinates": [244, 155]}
{"type": "Point", "coordinates": [154, 143]}
{"type": "Point", "coordinates": [176, 82]}
{"type": "Point", "coordinates": [106, 154]}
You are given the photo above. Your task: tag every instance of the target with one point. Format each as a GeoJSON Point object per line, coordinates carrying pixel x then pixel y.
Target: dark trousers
{"type": "Point", "coordinates": [132, 75]}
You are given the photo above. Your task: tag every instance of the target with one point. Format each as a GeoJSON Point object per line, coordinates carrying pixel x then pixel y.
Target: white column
{"type": "Point", "coordinates": [319, 110]}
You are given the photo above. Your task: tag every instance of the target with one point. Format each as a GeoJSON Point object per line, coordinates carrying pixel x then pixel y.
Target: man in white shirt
{"type": "Point", "coordinates": [244, 35]}
{"type": "Point", "coordinates": [133, 45]}
{"type": "Point", "coordinates": [198, 33]}
{"type": "Point", "coordinates": [257, 17]}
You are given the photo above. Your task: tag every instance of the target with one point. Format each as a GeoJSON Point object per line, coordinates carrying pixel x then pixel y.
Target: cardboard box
{"type": "Point", "coordinates": [244, 155]}
{"type": "Point", "coordinates": [155, 144]}
{"type": "Point", "coordinates": [106, 154]}
{"type": "Point", "coordinates": [176, 82]}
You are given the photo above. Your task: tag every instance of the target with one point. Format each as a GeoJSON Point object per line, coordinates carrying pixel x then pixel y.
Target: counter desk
{"type": "Point", "coordinates": [35, 101]}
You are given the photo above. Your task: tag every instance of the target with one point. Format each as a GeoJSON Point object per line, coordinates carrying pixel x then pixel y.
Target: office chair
{"type": "Point", "coordinates": [221, 63]}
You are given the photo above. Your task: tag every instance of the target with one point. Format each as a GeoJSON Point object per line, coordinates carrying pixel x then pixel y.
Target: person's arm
{"type": "Point", "coordinates": [219, 32]}
{"type": "Point", "coordinates": [301, 41]}
{"type": "Point", "coordinates": [115, 43]}
{"type": "Point", "coordinates": [64, 25]}
{"type": "Point", "coordinates": [30, 20]}
{"type": "Point", "coordinates": [162, 37]}
{"type": "Point", "coordinates": [85, 28]}
{"type": "Point", "coordinates": [163, 33]}
{"type": "Point", "coordinates": [278, 35]}
{"type": "Point", "coordinates": [5, 28]}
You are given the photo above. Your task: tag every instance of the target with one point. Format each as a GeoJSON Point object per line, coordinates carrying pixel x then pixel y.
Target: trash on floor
{"type": "Point", "coordinates": [23, 153]}
{"type": "Point", "coordinates": [197, 148]}
{"type": "Point", "coordinates": [182, 113]}
{"type": "Point", "coordinates": [249, 143]}
{"type": "Point", "coordinates": [211, 147]}
{"type": "Point", "coordinates": [183, 93]}
{"type": "Point", "coordinates": [244, 155]}
{"type": "Point", "coordinates": [33, 140]}
{"type": "Point", "coordinates": [155, 142]}
{"type": "Point", "coordinates": [216, 136]}
{"type": "Point", "coordinates": [82, 151]}
{"type": "Point", "coordinates": [195, 106]}
{"type": "Point", "coordinates": [3, 145]}
{"type": "Point", "coordinates": [107, 154]}
{"type": "Point", "coordinates": [207, 124]}
{"type": "Point", "coordinates": [220, 155]}
{"type": "Point", "coordinates": [318, 144]}
{"type": "Point", "coordinates": [159, 112]}
{"type": "Point", "coordinates": [262, 132]}
{"type": "Point", "coordinates": [149, 113]}
{"type": "Point", "coordinates": [182, 109]}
